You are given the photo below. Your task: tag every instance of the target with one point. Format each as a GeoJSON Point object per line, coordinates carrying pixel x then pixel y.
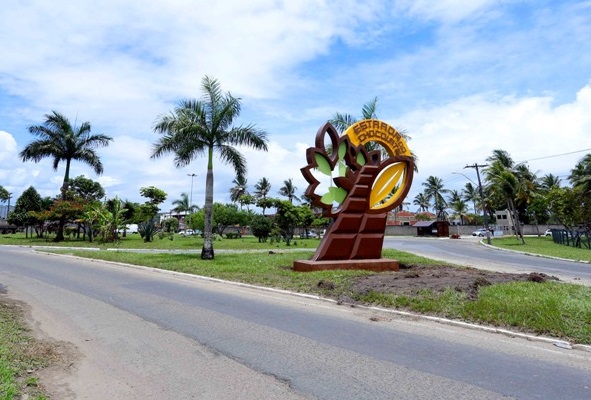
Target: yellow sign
{"type": "Point", "coordinates": [372, 130]}
{"type": "Point", "coordinates": [391, 185]}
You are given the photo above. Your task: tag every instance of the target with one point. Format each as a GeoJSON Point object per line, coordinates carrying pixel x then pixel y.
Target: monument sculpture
{"type": "Point", "coordinates": [370, 169]}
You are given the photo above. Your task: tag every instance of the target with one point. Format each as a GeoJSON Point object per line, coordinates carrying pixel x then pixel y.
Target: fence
{"type": "Point", "coordinates": [577, 238]}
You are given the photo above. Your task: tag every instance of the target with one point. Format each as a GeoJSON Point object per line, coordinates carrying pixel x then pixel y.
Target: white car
{"type": "Point", "coordinates": [187, 232]}
{"type": "Point", "coordinates": [548, 232]}
{"type": "Point", "coordinates": [311, 235]}
{"type": "Point", "coordinates": [480, 232]}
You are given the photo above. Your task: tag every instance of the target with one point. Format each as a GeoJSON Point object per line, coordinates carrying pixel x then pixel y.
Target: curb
{"type": "Point", "coordinates": [490, 246]}
{"type": "Point", "coordinates": [556, 342]}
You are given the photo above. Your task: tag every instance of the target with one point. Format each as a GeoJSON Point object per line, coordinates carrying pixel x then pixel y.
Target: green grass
{"type": "Point", "coordinates": [543, 245]}
{"type": "Point", "coordinates": [134, 241]}
{"type": "Point", "coordinates": [17, 361]}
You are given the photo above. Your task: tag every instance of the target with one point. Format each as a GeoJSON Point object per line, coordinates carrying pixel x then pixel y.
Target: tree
{"type": "Point", "coordinates": [287, 219]}
{"type": "Point", "coordinates": [289, 190]}
{"type": "Point", "coordinates": [4, 194]}
{"type": "Point", "coordinates": [434, 191]}
{"type": "Point", "coordinates": [29, 201]}
{"type": "Point", "coordinates": [205, 127]}
{"type": "Point", "coordinates": [59, 140]}
{"type": "Point", "coordinates": [239, 189]}
{"type": "Point", "coordinates": [182, 205]}
{"type": "Point", "coordinates": [87, 189]}
{"type": "Point", "coordinates": [368, 111]}
{"type": "Point", "coordinates": [261, 227]}
{"type": "Point", "coordinates": [261, 190]}
{"type": "Point", "coordinates": [504, 183]}
{"type": "Point", "coordinates": [470, 193]}
{"type": "Point", "coordinates": [155, 196]}
{"type": "Point", "coordinates": [422, 201]}
{"type": "Point", "coordinates": [549, 181]}
{"type": "Point", "coordinates": [580, 175]}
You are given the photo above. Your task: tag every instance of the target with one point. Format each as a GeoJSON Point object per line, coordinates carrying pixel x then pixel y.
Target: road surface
{"type": "Point", "coordinates": [146, 334]}
{"type": "Point", "coordinates": [468, 251]}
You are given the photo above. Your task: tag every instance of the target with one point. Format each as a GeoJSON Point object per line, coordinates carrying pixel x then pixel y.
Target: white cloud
{"type": "Point", "coordinates": [466, 131]}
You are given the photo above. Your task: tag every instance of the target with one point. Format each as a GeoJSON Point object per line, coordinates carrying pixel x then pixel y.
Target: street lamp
{"type": "Point", "coordinates": [191, 198]}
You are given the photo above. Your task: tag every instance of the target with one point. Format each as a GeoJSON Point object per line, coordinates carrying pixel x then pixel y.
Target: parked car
{"type": "Point", "coordinates": [548, 232]}
{"type": "Point", "coordinates": [480, 232]}
{"type": "Point", "coordinates": [311, 235]}
{"type": "Point", "coordinates": [131, 228]}
{"type": "Point", "coordinates": [187, 232]}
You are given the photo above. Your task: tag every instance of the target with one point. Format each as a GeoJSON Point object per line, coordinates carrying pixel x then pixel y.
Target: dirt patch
{"type": "Point", "coordinates": [414, 278]}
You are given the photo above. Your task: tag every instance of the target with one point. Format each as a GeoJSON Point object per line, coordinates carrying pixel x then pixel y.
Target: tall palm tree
{"type": "Point", "coordinates": [580, 175]}
{"type": "Point", "coordinates": [289, 190]}
{"type": "Point", "coordinates": [182, 205]}
{"type": "Point", "coordinates": [262, 188]}
{"type": "Point", "coordinates": [470, 193]}
{"type": "Point", "coordinates": [550, 181]}
{"type": "Point", "coordinates": [512, 183]}
{"type": "Point", "coordinates": [239, 189]}
{"type": "Point", "coordinates": [434, 191]}
{"type": "Point", "coordinates": [205, 127]}
{"type": "Point", "coordinates": [368, 111]}
{"type": "Point", "coordinates": [422, 201]}
{"type": "Point", "coordinates": [58, 139]}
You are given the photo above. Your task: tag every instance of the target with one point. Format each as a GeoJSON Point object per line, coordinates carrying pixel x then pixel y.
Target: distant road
{"type": "Point", "coordinates": [148, 334]}
{"type": "Point", "coordinates": [469, 252]}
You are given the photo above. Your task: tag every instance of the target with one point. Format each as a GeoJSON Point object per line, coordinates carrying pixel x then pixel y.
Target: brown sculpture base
{"type": "Point", "coordinates": [378, 265]}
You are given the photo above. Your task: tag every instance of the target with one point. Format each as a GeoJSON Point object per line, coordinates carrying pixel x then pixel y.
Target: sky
{"type": "Point", "coordinates": [461, 77]}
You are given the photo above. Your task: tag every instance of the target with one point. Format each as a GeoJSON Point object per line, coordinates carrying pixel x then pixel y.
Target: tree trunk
{"type": "Point", "coordinates": [207, 252]}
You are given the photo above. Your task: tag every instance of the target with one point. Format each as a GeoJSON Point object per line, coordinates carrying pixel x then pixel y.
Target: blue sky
{"type": "Point", "coordinates": [462, 78]}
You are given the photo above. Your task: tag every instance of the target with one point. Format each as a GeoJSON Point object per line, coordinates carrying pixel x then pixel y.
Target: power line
{"type": "Point", "coordinates": [555, 155]}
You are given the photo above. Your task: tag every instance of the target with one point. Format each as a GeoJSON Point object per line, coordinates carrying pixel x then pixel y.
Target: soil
{"type": "Point", "coordinates": [414, 278]}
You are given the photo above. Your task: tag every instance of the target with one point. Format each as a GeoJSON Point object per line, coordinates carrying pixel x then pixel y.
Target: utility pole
{"type": "Point", "coordinates": [476, 166]}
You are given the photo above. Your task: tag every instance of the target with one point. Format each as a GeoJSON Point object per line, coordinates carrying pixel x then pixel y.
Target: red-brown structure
{"type": "Point", "coordinates": [355, 238]}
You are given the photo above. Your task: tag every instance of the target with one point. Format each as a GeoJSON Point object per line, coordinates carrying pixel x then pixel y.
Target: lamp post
{"type": "Point", "coordinates": [191, 198]}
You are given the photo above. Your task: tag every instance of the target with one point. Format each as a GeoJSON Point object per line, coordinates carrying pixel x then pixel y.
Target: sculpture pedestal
{"type": "Point", "coordinates": [378, 265]}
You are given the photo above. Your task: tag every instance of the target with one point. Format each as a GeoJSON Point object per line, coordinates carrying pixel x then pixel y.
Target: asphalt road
{"type": "Point", "coordinates": [469, 251]}
{"type": "Point", "coordinates": [146, 334]}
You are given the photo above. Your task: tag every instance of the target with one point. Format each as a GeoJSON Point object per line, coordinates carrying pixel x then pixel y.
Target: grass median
{"type": "Point", "coordinates": [545, 308]}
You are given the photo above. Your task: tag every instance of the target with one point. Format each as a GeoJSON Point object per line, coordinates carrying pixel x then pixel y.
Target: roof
{"type": "Point", "coordinates": [423, 224]}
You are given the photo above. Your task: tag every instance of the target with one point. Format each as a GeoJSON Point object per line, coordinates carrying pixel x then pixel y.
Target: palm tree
{"type": "Point", "coordinates": [368, 111]}
{"type": "Point", "coordinates": [182, 205]}
{"type": "Point", "coordinates": [470, 193]}
{"type": "Point", "coordinates": [422, 201]}
{"type": "Point", "coordinates": [434, 190]}
{"type": "Point", "coordinates": [289, 190]}
{"type": "Point", "coordinates": [549, 181]}
{"type": "Point", "coordinates": [204, 127]}
{"type": "Point", "coordinates": [580, 175]}
{"type": "Point", "coordinates": [239, 189]}
{"type": "Point", "coordinates": [515, 184]}
{"type": "Point", "coordinates": [457, 205]}
{"type": "Point", "coordinates": [58, 139]}
{"type": "Point", "coordinates": [262, 188]}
